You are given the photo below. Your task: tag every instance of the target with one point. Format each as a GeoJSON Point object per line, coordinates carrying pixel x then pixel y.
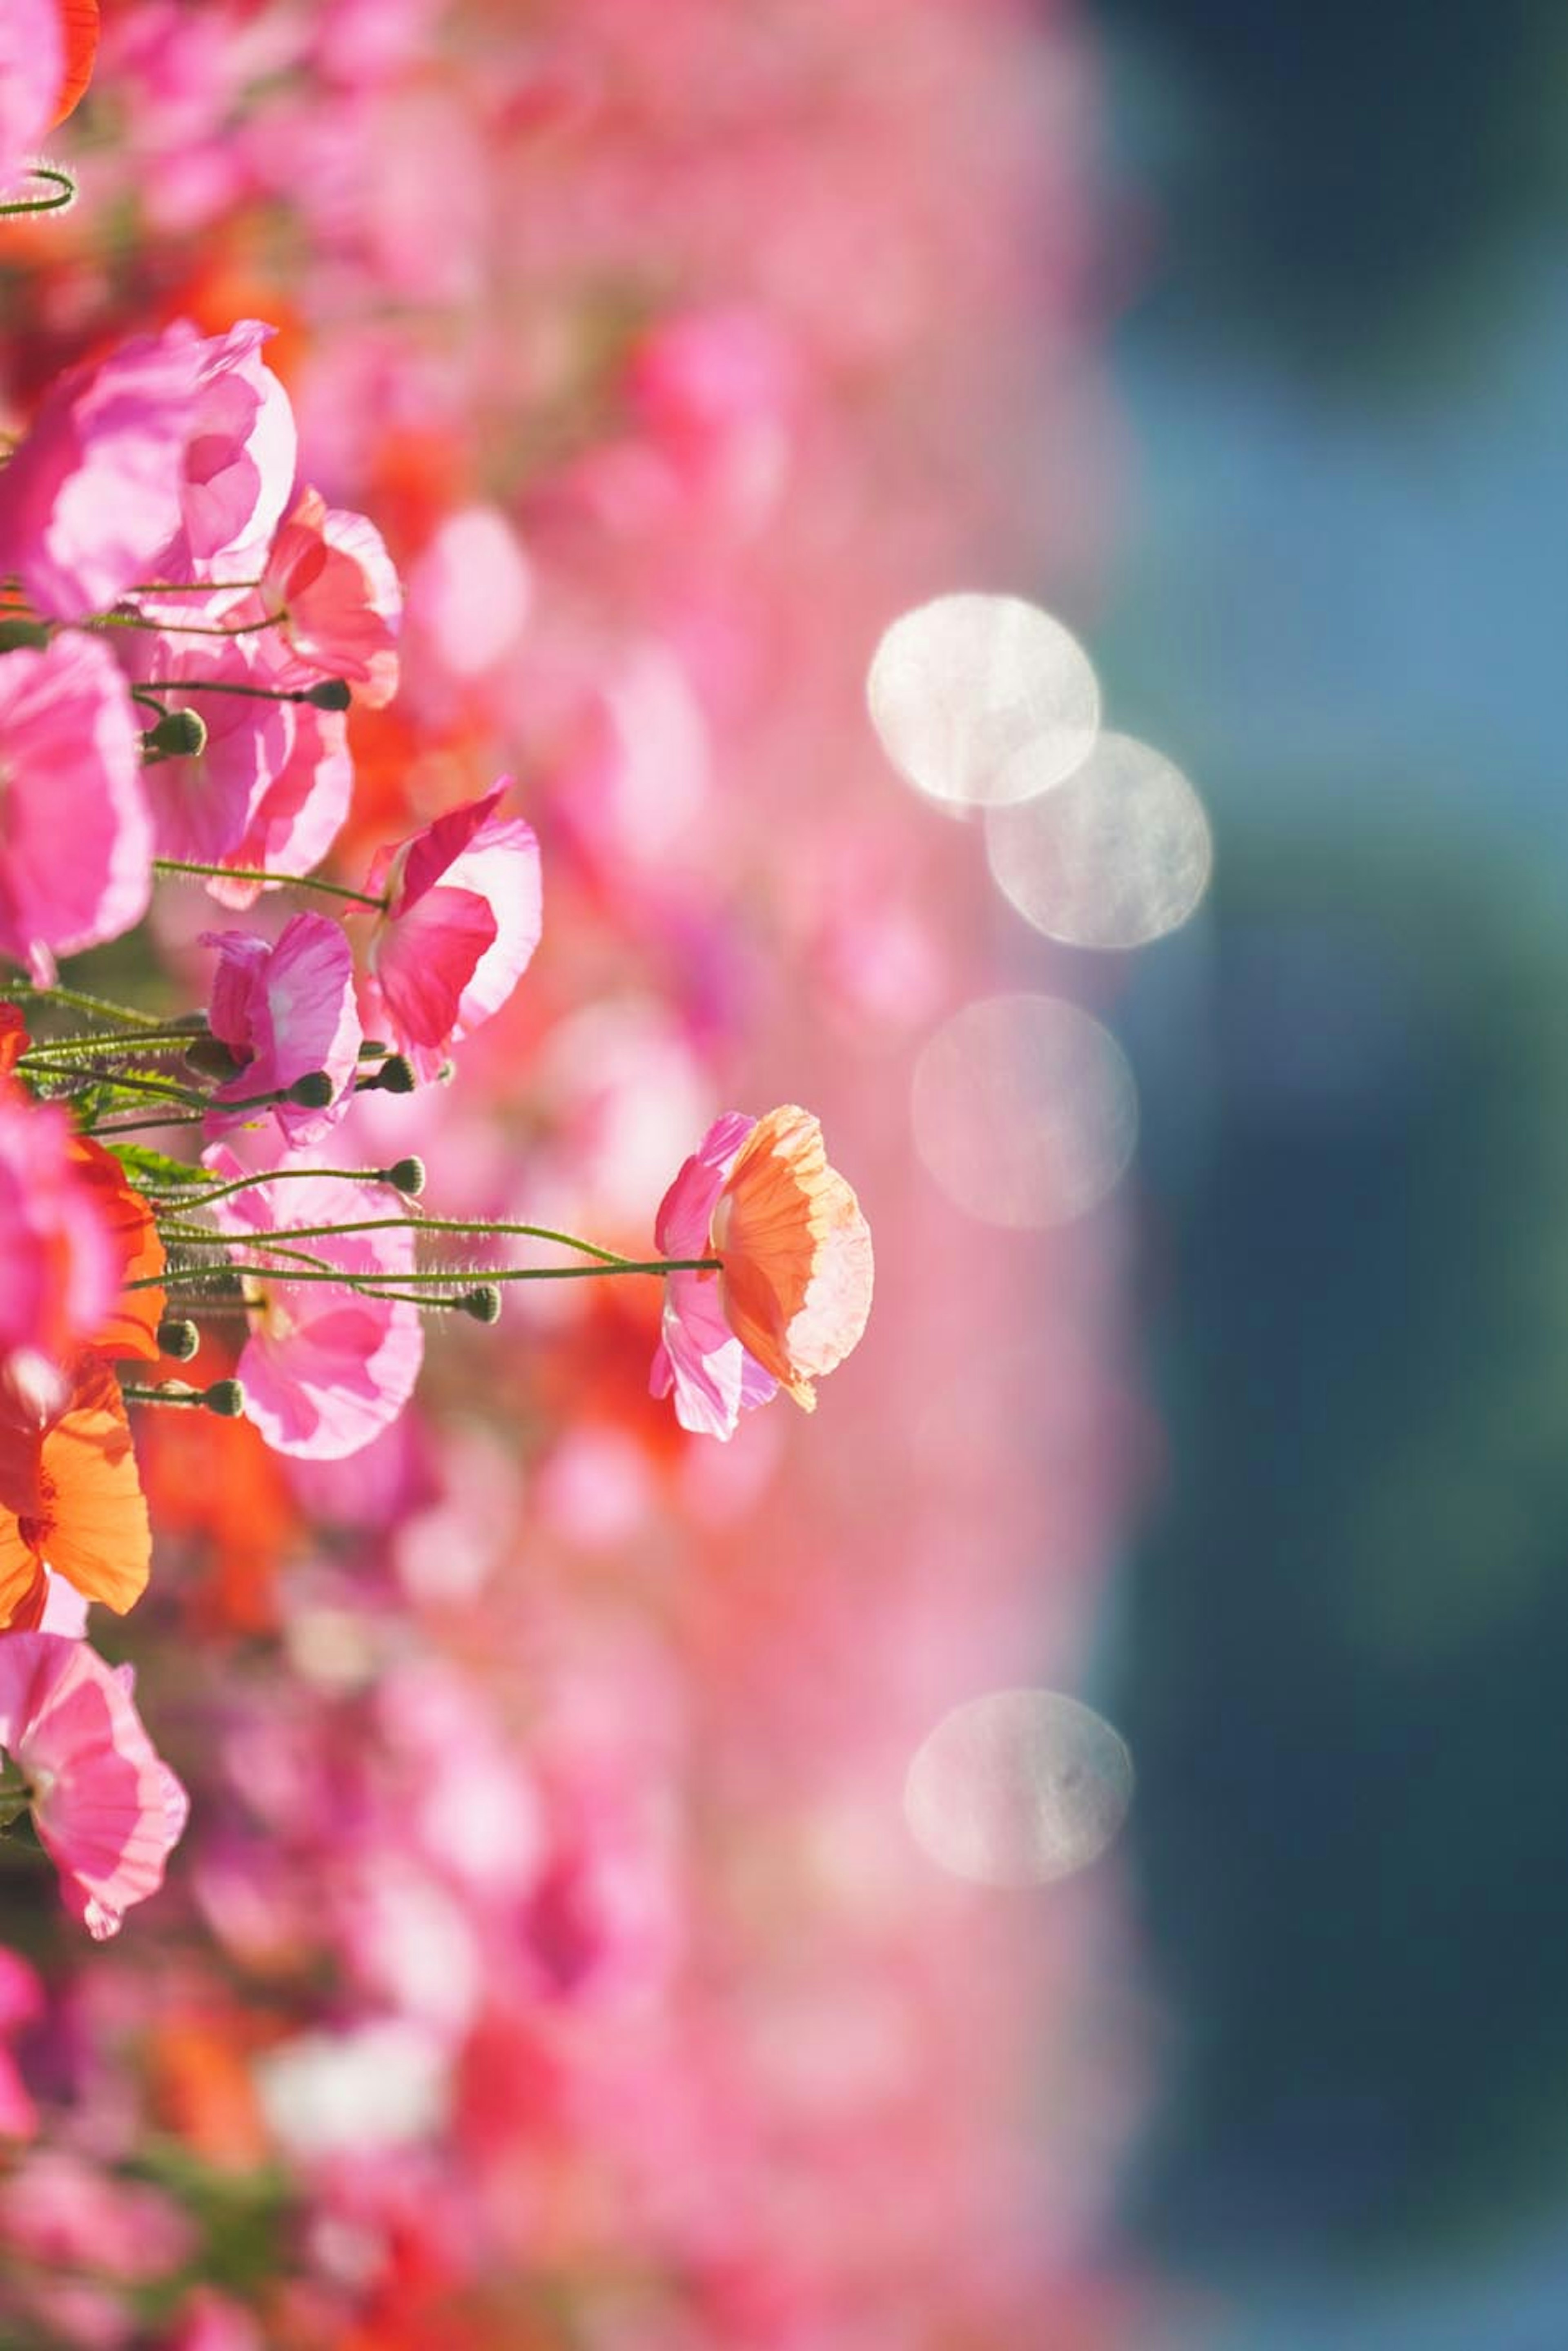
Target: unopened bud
{"type": "Point", "coordinates": [225, 1398]}
{"type": "Point", "coordinates": [179, 735]}
{"type": "Point", "coordinates": [211, 1057]}
{"type": "Point", "coordinates": [406, 1175]}
{"type": "Point", "coordinates": [483, 1304]}
{"type": "Point", "coordinates": [312, 1092]}
{"type": "Point", "coordinates": [395, 1076]}
{"type": "Point", "coordinates": [332, 694]}
{"type": "Point", "coordinates": [177, 1338]}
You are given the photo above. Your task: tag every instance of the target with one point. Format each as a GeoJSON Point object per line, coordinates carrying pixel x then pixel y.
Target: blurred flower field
{"type": "Point", "coordinates": [477, 992]}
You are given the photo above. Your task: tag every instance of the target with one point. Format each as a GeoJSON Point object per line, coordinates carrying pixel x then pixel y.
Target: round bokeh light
{"type": "Point", "coordinates": [982, 700]}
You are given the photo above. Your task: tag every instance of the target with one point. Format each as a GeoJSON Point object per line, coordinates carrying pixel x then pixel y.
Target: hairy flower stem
{"type": "Point", "coordinates": [185, 865]}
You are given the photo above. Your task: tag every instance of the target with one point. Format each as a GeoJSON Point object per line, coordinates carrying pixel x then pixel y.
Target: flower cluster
{"type": "Point", "coordinates": [452, 495]}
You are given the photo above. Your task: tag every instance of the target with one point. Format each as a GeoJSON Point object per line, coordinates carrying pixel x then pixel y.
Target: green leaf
{"type": "Point", "coordinates": [154, 1171]}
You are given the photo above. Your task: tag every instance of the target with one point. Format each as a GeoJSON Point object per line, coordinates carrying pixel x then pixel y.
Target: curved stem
{"type": "Point", "coordinates": [62, 182]}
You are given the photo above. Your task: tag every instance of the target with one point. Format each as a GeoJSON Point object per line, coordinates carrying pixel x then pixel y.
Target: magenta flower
{"type": "Point", "coordinates": [108, 1812]}
{"type": "Point", "coordinates": [462, 921]}
{"type": "Point", "coordinates": [283, 1010]}
{"type": "Point", "coordinates": [76, 843]}
{"type": "Point", "coordinates": [324, 1370]}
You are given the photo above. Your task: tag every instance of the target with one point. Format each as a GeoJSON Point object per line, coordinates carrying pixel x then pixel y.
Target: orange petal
{"type": "Point", "coordinates": [796, 1251]}
{"type": "Point", "coordinates": [132, 1328]}
{"type": "Point", "coordinates": [79, 31]}
{"type": "Point", "coordinates": [70, 1495]}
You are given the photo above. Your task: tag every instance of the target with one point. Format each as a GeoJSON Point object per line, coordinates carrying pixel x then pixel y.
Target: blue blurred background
{"type": "Point", "coordinates": [1339, 601]}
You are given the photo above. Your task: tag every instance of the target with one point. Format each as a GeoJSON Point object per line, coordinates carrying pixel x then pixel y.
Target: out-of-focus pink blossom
{"type": "Point", "coordinates": [330, 584]}
{"type": "Point", "coordinates": [21, 2004]}
{"type": "Point", "coordinates": [463, 918]}
{"type": "Point", "coordinates": [713, 391]}
{"type": "Point", "coordinates": [58, 2209]}
{"type": "Point", "coordinates": [32, 65]}
{"type": "Point", "coordinates": [77, 844]}
{"type": "Point", "coordinates": [284, 1010]}
{"type": "Point", "coordinates": [470, 591]}
{"type": "Point", "coordinates": [324, 1370]}
{"type": "Point", "coordinates": [107, 1810]}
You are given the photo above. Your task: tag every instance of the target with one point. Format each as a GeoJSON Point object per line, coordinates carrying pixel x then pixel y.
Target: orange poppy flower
{"type": "Point", "coordinates": [79, 33]}
{"type": "Point", "coordinates": [796, 1279]}
{"type": "Point", "coordinates": [70, 1498]}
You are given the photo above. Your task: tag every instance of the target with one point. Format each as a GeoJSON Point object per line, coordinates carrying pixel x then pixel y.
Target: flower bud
{"type": "Point", "coordinates": [178, 1338]}
{"type": "Point", "coordinates": [482, 1304]}
{"type": "Point", "coordinates": [332, 694]}
{"type": "Point", "coordinates": [395, 1076]}
{"type": "Point", "coordinates": [225, 1398]}
{"type": "Point", "coordinates": [179, 735]}
{"type": "Point", "coordinates": [406, 1175]}
{"type": "Point", "coordinates": [312, 1092]}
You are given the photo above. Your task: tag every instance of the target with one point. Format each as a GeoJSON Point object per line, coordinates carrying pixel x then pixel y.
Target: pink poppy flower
{"type": "Point", "coordinates": [283, 1010]}
{"type": "Point", "coordinates": [462, 921]}
{"type": "Point", "coordinates": [77, 844]}
{"type": "Point", "coordinates": [792, 1294]}
{"type": "Point", "coordinates": [324, 1370]}
{"type": "Point", "coordinates": [295, 819]}
{"type": "Point", "coordinates": [202, 802]}
{"type": "Point", "coordinates": [107, 1810]}
{"type": "Point", "coordinates": [240, 453]}
{"type": "Point", "coordinates": [330, 584]}
{"type": "Point", "coordinates": [158, 460]}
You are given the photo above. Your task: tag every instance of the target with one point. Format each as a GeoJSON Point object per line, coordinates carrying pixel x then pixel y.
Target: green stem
{"type": "Point", "coordinates": [61, 181]}
{"type": "Point", "coordinates": [191, 1199]}
{"type": "Point", "coordinates": [99, 1006]}
{"type": "Point", "coordinates": [253, 873]}
{"type": "Point", "coordinates": [182, 628]}
{"type": "Point", "coordinates": [469, 1227]}
{"type": "Point", "coordinates": [192, 587]}
{"type": "Point", "coordinates": [146, 686]}
{"type": "Point", "coordinates": [145, 1040]}
{"type": "Point", "coordinates": [454, 1275]}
